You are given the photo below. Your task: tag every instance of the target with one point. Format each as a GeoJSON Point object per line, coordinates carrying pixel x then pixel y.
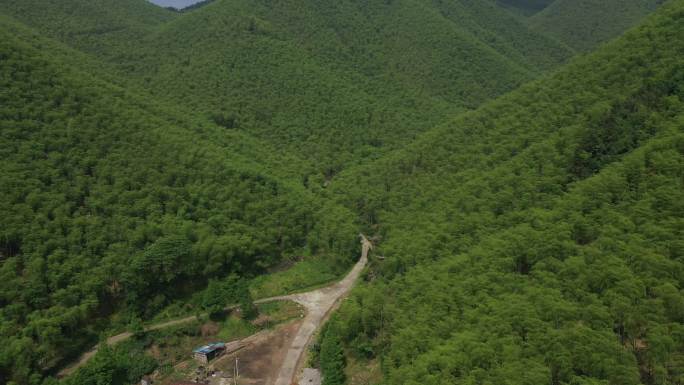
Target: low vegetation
{"type": "Point", "coordinates": [306, 274]}
{"type": "Point", "coordinates": [168, 351]}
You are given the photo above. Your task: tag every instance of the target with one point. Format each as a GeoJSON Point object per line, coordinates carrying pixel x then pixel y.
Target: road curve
{"type": "Point", "coordinates": [300, 298]}
{"type": "Point", "coordinates": [318, 304]}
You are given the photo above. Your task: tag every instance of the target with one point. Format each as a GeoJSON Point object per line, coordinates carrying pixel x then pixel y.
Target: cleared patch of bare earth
{"type": "Point", "coordinates": [260, 359]}
{"type": "Point", "coordinates": [311, 376]}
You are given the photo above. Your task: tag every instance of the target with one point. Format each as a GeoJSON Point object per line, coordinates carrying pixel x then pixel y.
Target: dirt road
{"type": "Point", "coordinates": [318, 304]}
{"type": "Point", "coordinates": [116, 339]}
{"type": "Point", "coordinates": [314, 301]}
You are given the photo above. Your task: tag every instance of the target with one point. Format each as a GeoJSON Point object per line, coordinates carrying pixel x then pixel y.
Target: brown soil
{"type": "Point", "coordinates": [259, 361]}
{"type": "Point", "coordinates": [210, 329]}
{"type": "Point", "coordinates": [154, 351]}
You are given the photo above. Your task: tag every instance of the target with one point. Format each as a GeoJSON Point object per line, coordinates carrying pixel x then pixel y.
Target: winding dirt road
{"type": "Point", "coordinates": [318, 304]}
{"type": "Point", "coordinates": [124, 336]}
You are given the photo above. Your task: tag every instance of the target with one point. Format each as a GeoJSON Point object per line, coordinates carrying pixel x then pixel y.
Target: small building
{"type": "Point", "coordinates": [208, 352]}
{"type": "Point", "coordinates": [146, 380]}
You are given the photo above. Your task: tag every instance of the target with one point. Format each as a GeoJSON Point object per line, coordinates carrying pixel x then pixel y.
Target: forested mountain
{"type": "Point", "coordinates": [582, 24]}
{"type": "Point", "coordinates": [99, 24]}
{"type": "Point", "coordinates": [336, 81]}
{"type": "Point", "coordinates": [529, 238]}
{"type": "Point", "coordinates": [537, 239]}
{"type": "Point", "coordinates": [113, 207]}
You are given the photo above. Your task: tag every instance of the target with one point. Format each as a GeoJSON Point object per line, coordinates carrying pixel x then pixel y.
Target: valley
{"type": "Point", "coordinates": [171, 178]}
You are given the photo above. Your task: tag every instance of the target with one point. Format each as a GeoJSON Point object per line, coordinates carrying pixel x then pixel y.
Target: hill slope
{"type": "Point", "coordinates": [114, 206]}
{"type": "Point", "coordinates": [334, 81]}
{"type": "Point", "coordinates": [537, 239]}
{"type": "Point", "coordinates": [582, 24]}
{"type": "Point", "coordinates": [120, 195]}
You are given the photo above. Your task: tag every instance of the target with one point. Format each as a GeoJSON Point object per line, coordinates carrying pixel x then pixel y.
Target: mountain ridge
{"type": "Point", "coordinates": [526, 205]}
{"type": "Point", "coordinates": [573, 181]}
{"type": "Point", "coordinates": [221, 60]}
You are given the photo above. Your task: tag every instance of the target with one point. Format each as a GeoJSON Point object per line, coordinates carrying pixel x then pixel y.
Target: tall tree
{"type": "Point", "coordinates": [332, 358]}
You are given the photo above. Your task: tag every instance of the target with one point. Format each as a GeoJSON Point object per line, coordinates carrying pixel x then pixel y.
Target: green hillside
{"type": "Point", "coordinates": [538, 239]}
{"type": "Point", "coordinates": [582, 24]}
{"type": "Point", "coordinates": [99, 25]}
{"type": "Point", "coordinates": [113, 206]}
{"type": "Point", "coordinates": [335, 81]}
{"type": "Point", "coordinates": [527, 231]}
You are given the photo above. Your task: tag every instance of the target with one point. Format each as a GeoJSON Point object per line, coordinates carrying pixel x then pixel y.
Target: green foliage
{"type": "Point", "coordinates": [583, 24]}
{"type": "Point", "coordinates": [334, 81]}
{"type": "Point", "coordinates": [537, 239]}
{"type": "Point", "coordinates": [247, 308]}
{"type": "Point", "coordinates": [136, 327]}
{"type": "Point", "coordinates": [114, 366]}
{"type": "Point", "coordinates": [310, 272]}
{"type": "Point", "coordinates": [218, 295]}
{"type": "Point", "coordinates": [332, 358]}
{"type": "Point", "coordinates": [149, 154]}
{"type": "Point", "coordinates": [109, 209]}
{"type": "Point", "coordinates": [233, 328]}
{"type": "Point", "coordinates": [166, 262]}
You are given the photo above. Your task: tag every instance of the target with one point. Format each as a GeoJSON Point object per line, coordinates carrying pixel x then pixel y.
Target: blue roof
{"type": "Point", "coordinates": [206, 349]}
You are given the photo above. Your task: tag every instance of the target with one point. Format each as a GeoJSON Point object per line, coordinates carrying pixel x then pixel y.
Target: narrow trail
{"type": "Point", "coordinates": [314, 301]}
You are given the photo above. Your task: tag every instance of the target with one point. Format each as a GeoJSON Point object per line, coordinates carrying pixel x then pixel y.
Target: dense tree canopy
{"type": "Point", "coordinates": [332, 358]}
{"type": "Point", "coordinates": [150, 156]}
{"type": "Point", "coordinates": [583, 24]}
{"type": "Point", "coordinates": [537, 239]}
{"type": "Point", "coordinates": [108, 208]}
{"type": "Point", "coordinates": [335, 81]}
